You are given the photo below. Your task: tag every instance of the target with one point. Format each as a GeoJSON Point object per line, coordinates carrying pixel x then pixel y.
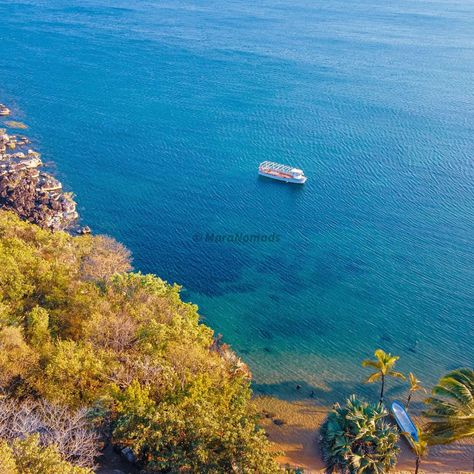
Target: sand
{"type": "Point", "coordinates": [298, 436]}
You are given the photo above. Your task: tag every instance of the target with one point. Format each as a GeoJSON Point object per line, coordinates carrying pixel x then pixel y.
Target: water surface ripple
{"type": "Point", "coordinates": [158, 113]}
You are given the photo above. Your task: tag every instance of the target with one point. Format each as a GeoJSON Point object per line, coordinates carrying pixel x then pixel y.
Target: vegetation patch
{"type": "Point", "coordinates": [356, 438]}
{"type": "Point", "coordinates": [79, 333]}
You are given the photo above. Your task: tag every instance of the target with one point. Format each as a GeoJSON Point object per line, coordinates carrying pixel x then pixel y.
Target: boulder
{"type": "Point", "coordinates": [127, 453]}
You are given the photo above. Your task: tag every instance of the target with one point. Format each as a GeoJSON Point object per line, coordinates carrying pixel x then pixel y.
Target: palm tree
{"type": "Point", "coordinates": [356, 439]}
{"type": "Point", "coordinates": [420, 447]}
{"type": "Point", "coordinates": [415, 385]}
{"type": "Point", "coordinates": [383, 364]}
{"type": "Point", "coordinates": [451, 408]}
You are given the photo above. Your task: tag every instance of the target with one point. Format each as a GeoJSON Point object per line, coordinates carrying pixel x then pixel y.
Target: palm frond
{"type": "Point", "coordinates": [398, 375]}
{"type": "Point", "coordinates": [463, 375]}
{"type": "Point", "coordinates": [370, 363]}
{"type": "Point", "coordinates": [366, 443]}
{"type": "Point", "coordinates": [451, 387]}
{"type": "Point", "coordinates": [445, 432]}
{"type": "Point", "coordinates": [439, 408]}
{"type": "Point", "coordinates": [415, 384]}
{"type": "Point", "coordinates": [380, 354]}
{"type": "Point", "coordinates": [451, 410]}
{"type": "Point", "coordinates": [373, 377]}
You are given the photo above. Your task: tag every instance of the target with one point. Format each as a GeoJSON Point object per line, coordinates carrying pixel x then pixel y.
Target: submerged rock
{"type": "Point", "coordinates": [15, 124]}
{"type": "Point", "coordinates": [4, 110]}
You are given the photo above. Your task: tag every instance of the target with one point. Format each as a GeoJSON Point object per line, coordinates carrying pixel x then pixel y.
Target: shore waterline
{"type": "Point", "coordinates": [158, 115]}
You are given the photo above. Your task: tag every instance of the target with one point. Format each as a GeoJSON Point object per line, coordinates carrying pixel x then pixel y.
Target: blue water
{"type": "Point", "coordinates": [157, 113]}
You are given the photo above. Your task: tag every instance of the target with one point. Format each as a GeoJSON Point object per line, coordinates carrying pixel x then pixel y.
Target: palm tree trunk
{"type": "Point", "coordinates": [381, 390]}
{"type": "Point", "coordinates": [417, 464]}
{"type": "Point", "coordinates": [408, 400]}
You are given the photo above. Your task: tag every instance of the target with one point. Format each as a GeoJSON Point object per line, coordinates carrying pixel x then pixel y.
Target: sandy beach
{"type": "Point", "coordinates": [293, 427]}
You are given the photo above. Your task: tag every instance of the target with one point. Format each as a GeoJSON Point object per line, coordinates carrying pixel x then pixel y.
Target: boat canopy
{"type": "Point", "coordinates": [278, 167]}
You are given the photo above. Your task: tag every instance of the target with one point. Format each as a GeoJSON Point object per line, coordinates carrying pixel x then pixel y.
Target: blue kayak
{"type": "Point", "coordinates": [404, 422]}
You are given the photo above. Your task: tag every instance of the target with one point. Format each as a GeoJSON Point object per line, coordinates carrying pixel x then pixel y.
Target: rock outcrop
{"type": "Point", "coordinates": [33, 194]}
{"type": "Point", "coordinates": [4, 110]}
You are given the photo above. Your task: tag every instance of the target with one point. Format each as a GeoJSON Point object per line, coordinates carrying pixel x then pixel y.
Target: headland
{"type": "Point", "coordinates": [28, 190]}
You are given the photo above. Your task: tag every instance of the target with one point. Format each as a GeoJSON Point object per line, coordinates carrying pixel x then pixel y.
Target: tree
{"type": "Point", "coordinates": [76, 374]}
{"type": "Point", "coordinates": [419, 446]}
{"type": "Point", "coordinates": [206, 428]}
{"type": "Point", "coordinates": [356, 439]}
{"type": "Point", "coordinates": [80, 335]}
{"type": "Point", "coordinates": [17, 358]}
{"type": "Point", "coordinates": [451, 408]}
{"type": "Point", "coordinates": [383, 364]}
{"type": "Point", "coordinates": [70, 431]}
{"type": "Point", "coordinates": [27, 456]}
{"type": "Point", "coordinates": [38, 327]}
{"type": "Point", "coordinates": [105, 258]}
{"type": "Point", "coordinates": [415, 385]}
{"type": "Point", "coordinates": [7, 459]}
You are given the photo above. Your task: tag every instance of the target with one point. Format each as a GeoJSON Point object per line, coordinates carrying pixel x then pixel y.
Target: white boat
{"type": "Point", "coordinates": [404, 422]}
{"type": "Point", "coordinates": [285, 173]}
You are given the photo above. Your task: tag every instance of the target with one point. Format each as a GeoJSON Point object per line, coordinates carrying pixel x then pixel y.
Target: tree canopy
{"type": "Point", "coordinates": [356, 439]}
{"type": "Point", "coordinates": [77, 329]}
{"type": "Point", "coordinates": [450, 410]}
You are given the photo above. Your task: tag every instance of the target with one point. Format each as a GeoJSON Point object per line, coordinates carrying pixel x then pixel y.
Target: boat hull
{"type": "Point", "coordinates": [301, 180]}
{"type": "Point", "coordinates": [404, 422]}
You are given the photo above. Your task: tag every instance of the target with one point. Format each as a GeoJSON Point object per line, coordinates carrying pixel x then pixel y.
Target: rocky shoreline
{"type": "Point", "coordinates": [27, 190]}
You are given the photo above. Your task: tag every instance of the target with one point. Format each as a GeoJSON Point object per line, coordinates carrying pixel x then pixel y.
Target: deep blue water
{"type": "Point", "coordinates": [157, 113]}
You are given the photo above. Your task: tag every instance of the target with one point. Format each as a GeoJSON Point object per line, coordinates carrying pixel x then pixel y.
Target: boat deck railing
{"type": "Point", "coordinates": [277, 167]}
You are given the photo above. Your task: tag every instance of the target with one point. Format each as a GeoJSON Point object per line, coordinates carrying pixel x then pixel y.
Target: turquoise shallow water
{"type": "Point", "coordinates": [157, 114]}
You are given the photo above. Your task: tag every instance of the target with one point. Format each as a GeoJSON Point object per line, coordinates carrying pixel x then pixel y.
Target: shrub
{"type": "Point", "coordinates": [105, 258]}
{"type": "Point", "coordinates": [27, 456]}
{"type": "Point", "coordinates": [356, 439]}
{"type": "Point", "coordinates": [78, 331]}
{"type": "Point", "coordinates": [17, 359]}
{"type": "Point", "coordinates": [206, 428]}
{"type": "Point", "coordinates": [70, 431]}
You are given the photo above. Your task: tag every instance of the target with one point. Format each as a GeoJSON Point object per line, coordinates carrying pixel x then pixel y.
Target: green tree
{"type": "Point", "coordinates": [451, 408]}
{"type": "Point", "coordinates": [17, 359]}
{"type": "Point", "coordinates": [356, 439]}
{"type": "Point", "coordinates": [7, 459]}
{"type": "Point", "coordinates": [384, 363]}
{"type": "Point", "coordinates": [420, 447]}
{"type": "Point", "coordinates": [75, 374]}
{"type": "Point", "coordinates": [27, 456]}
{"type": "Point", "coordinates": [415, 386]}
{"type": "Point", "coordinates": [80, 331]}
{"type": "Point", "coordinates": [206, 428]}
{"type": "Point", "coordinates": [38, 327]}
